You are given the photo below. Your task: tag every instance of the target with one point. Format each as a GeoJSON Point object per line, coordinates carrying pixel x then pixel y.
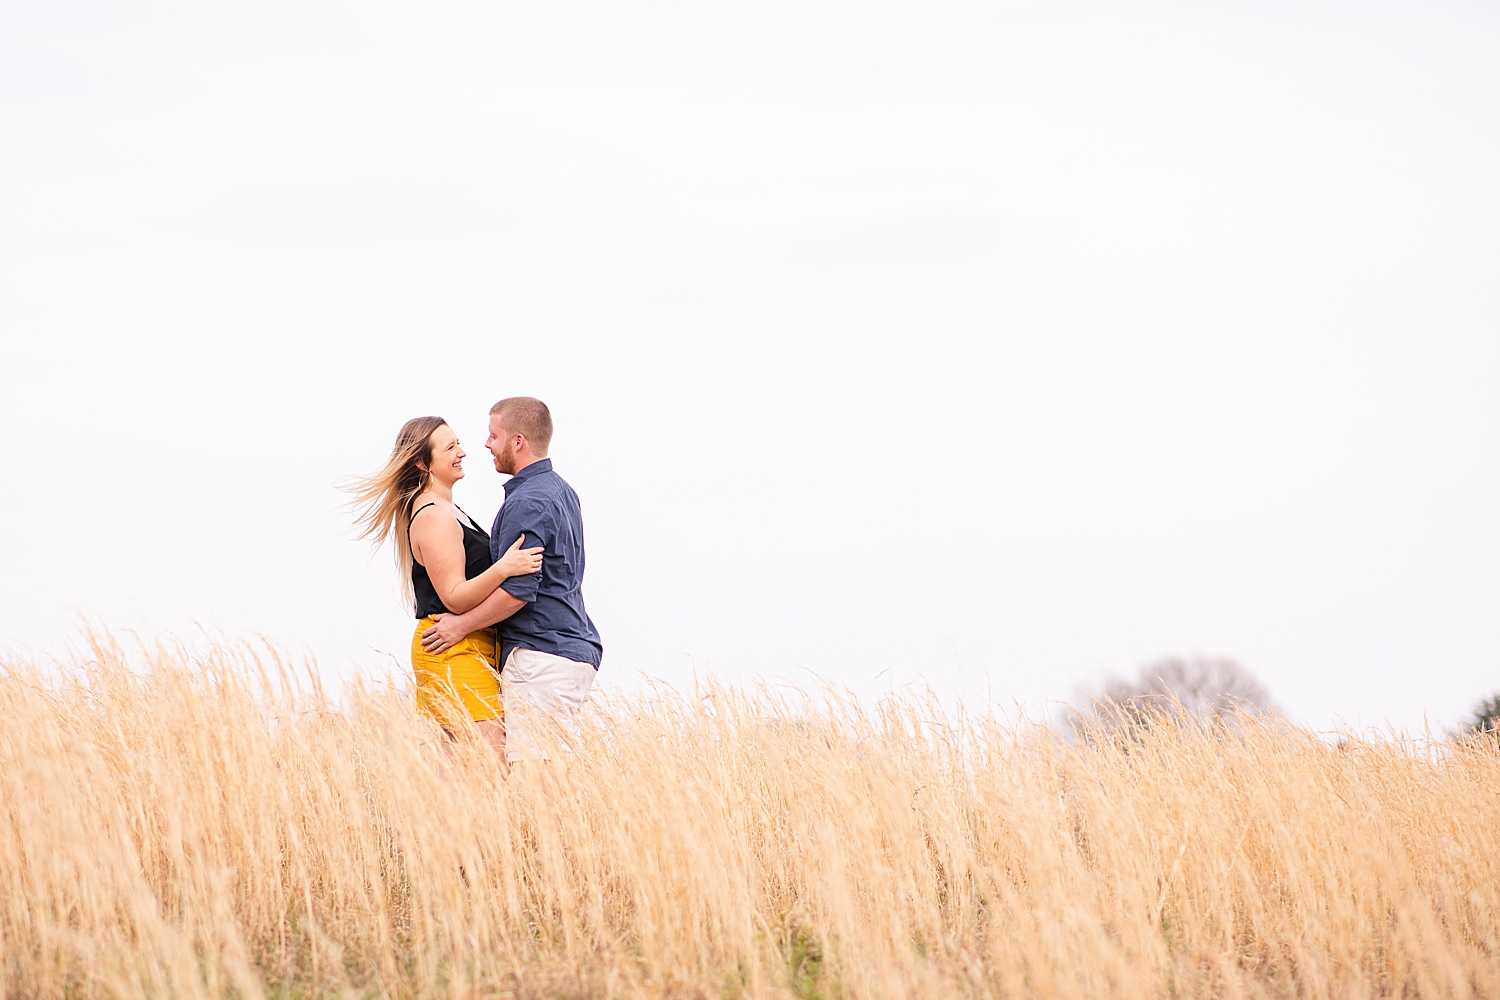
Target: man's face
{"type": "Point", "coordinates": [502, 446]}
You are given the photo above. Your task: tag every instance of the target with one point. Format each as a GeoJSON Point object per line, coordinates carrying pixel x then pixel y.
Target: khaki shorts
{"type": "Point", "coordinates": [535, 687]}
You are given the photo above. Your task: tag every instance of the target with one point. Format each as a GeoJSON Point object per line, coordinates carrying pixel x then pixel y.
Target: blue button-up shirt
{"type": "Point", "coordinates": [540, 505]}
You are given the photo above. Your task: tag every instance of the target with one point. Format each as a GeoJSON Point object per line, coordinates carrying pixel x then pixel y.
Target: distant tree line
{"type": "Point", "coordinates": [1486, 715]}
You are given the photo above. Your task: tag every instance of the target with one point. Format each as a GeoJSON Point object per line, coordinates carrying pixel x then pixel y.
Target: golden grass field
{"type": "Point", "coordinates": [199, 823]}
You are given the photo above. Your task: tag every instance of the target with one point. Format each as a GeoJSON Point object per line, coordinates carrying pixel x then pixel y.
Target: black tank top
{"type": "Point", "coordinates": [476, 561]}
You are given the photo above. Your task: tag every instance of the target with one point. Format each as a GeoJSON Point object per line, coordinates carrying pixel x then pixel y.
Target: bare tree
{"type": "Point", "coordinates": [1207, 688]}
{"type": "Point", "coordinates": [1203, 685]}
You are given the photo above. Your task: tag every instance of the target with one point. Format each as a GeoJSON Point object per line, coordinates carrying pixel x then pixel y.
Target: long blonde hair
{"type": "Point", "coordinates": [382, 503]}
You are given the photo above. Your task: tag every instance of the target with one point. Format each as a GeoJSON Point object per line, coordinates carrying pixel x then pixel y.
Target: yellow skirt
{"type": "Point", "coordinates": [460, 682]}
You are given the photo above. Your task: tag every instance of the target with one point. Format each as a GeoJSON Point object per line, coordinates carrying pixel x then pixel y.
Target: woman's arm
{"type": "Point", "coordinates": [437, 543]}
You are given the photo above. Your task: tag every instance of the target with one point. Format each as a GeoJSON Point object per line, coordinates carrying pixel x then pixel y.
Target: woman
{"type": "Point", "coordinates": [448, 558]}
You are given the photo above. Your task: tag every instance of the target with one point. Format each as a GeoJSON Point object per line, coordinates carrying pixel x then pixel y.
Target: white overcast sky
{"type": "Point", "coordinates": [1002, 345]}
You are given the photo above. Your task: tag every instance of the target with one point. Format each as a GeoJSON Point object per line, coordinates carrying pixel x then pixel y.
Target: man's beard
{"type": "Point", "coordinates": [505, 462]}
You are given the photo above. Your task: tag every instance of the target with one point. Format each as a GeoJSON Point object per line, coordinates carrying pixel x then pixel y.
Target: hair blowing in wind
{"type": "Point", "coordinates": [381, 503]}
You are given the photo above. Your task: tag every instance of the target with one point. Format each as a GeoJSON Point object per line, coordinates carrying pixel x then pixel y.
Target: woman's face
{"type": "Point", "coordinates": [447, 456]}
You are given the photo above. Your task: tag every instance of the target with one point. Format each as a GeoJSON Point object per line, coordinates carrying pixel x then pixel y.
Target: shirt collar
{"type": "Point", "coordinates": [534, 469]}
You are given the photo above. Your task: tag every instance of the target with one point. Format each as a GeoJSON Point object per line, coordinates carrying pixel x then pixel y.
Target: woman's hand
{"type": "Point", "coordinates": [520, 562]}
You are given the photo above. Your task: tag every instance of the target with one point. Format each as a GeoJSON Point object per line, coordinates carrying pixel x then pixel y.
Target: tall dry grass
{"type": "Point", "coordinates": [199, 824]}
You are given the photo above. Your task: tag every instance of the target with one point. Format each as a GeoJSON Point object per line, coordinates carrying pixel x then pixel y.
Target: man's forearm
{"type": "Point", "coordinates": [495, 608]}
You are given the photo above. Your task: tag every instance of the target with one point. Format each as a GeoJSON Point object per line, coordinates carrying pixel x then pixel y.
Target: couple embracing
{"type": "Point", "coordinates": [502, 638]}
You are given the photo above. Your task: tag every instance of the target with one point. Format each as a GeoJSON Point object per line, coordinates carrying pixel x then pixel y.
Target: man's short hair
{"type": "Point", "coordinates": [529, 416]}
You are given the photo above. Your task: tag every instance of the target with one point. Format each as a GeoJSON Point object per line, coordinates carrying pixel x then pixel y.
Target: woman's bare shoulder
{"type": "Point", "coordinates": [431, 513]}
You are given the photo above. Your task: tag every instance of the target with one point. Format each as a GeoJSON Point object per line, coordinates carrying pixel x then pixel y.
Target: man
{"type": "Point", "coordinates": [549, 649]}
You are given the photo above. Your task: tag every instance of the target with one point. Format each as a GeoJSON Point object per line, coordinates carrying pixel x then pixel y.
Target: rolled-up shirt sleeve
{"type": "Point", "coordinates": [533, 521]}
